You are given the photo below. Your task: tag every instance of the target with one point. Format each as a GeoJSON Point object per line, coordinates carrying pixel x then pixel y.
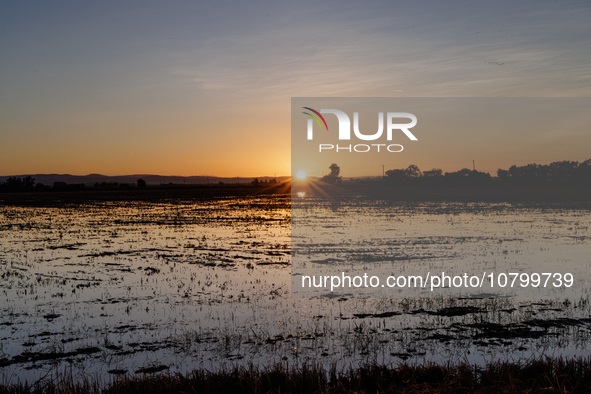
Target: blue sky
{"type": "Point", "coordinates": [194, 88]}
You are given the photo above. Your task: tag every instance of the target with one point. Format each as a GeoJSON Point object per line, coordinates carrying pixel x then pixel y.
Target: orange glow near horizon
{"type": "Point", "coordinates": [182, 151]}
{"type": "Point", "coordinates": [207, 90]}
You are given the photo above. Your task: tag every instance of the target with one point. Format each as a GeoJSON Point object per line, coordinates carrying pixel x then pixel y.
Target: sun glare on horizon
{"type": "Point", "coordinates": [301, 175]}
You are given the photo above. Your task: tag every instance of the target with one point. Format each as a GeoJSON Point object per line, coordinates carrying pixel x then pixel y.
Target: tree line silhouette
{"type": "Point", "coordinates": [556, 171]}
{"type": "Point", "coordinates": [566, 171]}
{"type": "Point", "coordinates": [28, 184]}
{"type": "Point", "coordinates": [414, 173]}
{"type": "Point", "coordinates": [256, 182]}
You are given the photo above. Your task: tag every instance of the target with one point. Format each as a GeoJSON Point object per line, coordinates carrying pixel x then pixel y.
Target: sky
{"type": "Point", "coordinates": [205, 88]}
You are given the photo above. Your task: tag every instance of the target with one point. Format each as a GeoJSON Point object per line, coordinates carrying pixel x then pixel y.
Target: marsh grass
{"type": "Point", "coordinates": [556, 375]}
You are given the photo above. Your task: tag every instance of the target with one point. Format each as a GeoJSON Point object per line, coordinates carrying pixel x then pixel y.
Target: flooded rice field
{"type": "Point", "coordinates": [504, 250]}
{"type": "Point", "coordinates": [106, 288]}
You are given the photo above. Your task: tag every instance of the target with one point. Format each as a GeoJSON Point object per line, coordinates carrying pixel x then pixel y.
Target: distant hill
{"type": "Point", "coordinates": [91, 179]}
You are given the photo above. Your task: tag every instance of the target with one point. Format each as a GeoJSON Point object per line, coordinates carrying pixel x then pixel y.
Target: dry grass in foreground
{"type": "Point", "coordinates": [547, 376]}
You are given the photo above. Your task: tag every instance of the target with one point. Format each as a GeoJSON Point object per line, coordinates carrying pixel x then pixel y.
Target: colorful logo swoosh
{"type": "Point", "coordinates": [315, 118]}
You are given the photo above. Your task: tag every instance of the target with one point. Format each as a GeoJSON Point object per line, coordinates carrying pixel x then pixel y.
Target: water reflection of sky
{"type": "Point", "coordinates": [383, 239]}
{"type": "Point", "coordinates": [110, 287]}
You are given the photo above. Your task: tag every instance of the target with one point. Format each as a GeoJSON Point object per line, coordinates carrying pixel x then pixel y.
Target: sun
{"type": "Point", "coordinates": [301, 175]}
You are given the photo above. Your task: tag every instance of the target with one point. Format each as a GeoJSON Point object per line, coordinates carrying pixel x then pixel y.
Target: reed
{"type": "Point", "coordinates": [549, 375]}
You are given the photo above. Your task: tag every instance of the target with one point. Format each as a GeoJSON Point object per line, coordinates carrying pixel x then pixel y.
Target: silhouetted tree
{"type": "Point", "coordinates": [141, 183]}
{"type": "Point", "coordinates": [412, 171]}
{"type": "Point", "coordinates": [584, 170]}
{"type": "Point", "coordinates": [530, 171]}
{"type": "Point", "coordinates": [467, 175]}
{"type": "Point", "coordinates": [333, 177]}
{"type": "Point", "coordinates": [461, 174]}
{"type": "Point", "coordinates": [14, 183]}
{"type": "Point", "coordinates": [335, 170]}
{"type": "Point", "coordinates": [434, 173]}
{"type": "Point", "coordinates": [29, 182]}
{"type": "Point", "coordinates": [502, 174]}
{"type": "Point", "coordinates": [562, 169]}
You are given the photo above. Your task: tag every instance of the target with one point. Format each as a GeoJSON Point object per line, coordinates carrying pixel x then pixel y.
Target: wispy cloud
{"type": "Point", "coordinates": [164, 71]}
